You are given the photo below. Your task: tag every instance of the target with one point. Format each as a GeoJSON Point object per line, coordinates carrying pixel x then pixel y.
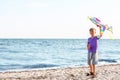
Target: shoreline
{"type": "Point", "coordinates": [104, 72]}
{"type": "Point", "coordinates": [63, 67]}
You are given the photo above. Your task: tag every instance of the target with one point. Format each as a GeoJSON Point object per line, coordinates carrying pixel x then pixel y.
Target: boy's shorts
{"type": "Point", "coordinates": [92, 58]}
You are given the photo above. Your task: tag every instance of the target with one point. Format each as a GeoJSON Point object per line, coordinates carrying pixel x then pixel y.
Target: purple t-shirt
{"type": "Point", "coordinates": [93, 42]}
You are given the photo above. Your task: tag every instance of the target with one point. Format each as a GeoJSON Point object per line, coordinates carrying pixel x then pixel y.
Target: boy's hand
{"type": "Point", "coordinates": [99, 26]}
{"type": "Point", "coordinates": [88, 47]}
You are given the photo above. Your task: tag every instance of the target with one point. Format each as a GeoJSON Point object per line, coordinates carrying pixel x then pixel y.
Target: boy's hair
{"type": "Point", "coordinates": [91, 29]}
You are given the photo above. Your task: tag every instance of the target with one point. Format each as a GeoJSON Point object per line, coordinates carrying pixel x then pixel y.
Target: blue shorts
{"type": "Point", "coordinates": [92, 58]}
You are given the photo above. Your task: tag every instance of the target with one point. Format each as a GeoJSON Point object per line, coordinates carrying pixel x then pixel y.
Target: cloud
{"type": "Point", "coordinates": [37, 5]}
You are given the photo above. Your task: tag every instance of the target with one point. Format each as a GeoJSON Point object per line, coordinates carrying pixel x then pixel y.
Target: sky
{"type": "Point", "coordinates": [56, 18]}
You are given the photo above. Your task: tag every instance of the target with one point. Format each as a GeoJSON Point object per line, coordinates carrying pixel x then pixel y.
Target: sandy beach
{"type": "Point", "coordinates": [104, 72]}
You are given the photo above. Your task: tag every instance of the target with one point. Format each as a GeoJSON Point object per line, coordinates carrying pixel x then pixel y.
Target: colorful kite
{"type": "Point", "coordinates": [97, 22]}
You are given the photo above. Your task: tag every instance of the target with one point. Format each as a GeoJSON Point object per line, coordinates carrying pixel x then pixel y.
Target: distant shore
{"type": "Point", "coordinates": [104, 72]}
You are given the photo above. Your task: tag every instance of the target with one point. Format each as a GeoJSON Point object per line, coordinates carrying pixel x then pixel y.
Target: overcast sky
{"type": "Point", "coordinates": [56, 18]}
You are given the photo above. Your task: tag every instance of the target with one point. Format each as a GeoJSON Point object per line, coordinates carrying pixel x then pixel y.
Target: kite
{"type": "Point", "coordinates": [97, 22]}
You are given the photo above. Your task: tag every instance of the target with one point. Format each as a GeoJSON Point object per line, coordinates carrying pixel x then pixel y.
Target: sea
{"type": "Point", "coordinates": [27, 54]}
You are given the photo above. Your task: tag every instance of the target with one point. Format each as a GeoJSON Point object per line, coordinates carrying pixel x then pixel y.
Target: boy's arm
{"type": "Point", "coordinates": [100, 33]}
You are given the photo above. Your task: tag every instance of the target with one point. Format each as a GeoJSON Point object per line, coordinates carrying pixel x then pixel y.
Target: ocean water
{"type": "Point", "coordinates": [18, 54]}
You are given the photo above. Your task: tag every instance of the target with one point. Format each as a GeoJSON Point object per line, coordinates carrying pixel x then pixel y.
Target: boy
{"type": "Point", "coordinates": [92, 50]}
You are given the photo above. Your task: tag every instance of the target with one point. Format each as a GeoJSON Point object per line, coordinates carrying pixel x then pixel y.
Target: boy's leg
{"type": "Point", "coordinates": [90, 62]}
{"type": "Point", "coordinates": [94, 68]}
{"type": "Point", "coordinates": [94, 71]}
{"type": "Point", "coordinates": [91, 68]}
{"type": "Point", "coordinates": [95, 61]}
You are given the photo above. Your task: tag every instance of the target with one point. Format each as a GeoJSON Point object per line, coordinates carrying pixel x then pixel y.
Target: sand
{"type": "Point", "coordinates": [104, 72]}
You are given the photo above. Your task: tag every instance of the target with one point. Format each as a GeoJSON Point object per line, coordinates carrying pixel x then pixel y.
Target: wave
{"type": "Point", "coordinates": [17, 66]}
{"type": "Point", "coordinates": [108, 60]}
{"type": "Point", "coordinates": [40, 66]}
